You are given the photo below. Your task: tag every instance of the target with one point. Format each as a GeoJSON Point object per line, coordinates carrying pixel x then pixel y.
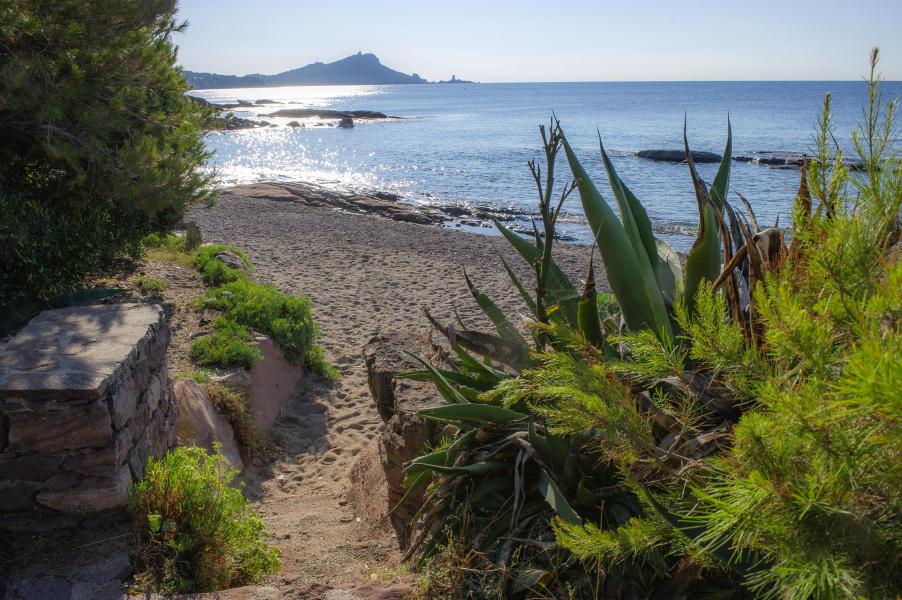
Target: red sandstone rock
{"type": "Point", "coordinates": [199, 423]}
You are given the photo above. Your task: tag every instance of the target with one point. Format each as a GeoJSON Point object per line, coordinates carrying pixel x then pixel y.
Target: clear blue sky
{"type": "Point", "coordinates": [557, 40]}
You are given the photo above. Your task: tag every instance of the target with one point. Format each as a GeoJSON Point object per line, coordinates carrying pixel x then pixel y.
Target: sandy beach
{"type": "Point", "coordinates": [366, 275]}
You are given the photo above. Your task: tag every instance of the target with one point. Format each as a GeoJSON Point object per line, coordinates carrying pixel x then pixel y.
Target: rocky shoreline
{"type": "Point", "coordinates": [382, 204]}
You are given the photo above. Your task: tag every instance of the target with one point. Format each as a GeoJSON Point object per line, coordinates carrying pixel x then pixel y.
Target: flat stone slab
{"type": "Point", "coordinates": [73, 352]}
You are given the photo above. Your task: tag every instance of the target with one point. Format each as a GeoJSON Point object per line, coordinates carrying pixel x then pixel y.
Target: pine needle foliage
{"type": "Point", "coordinates": [100, 144]}
{"type": "Point", "coordinates": [755, 448]}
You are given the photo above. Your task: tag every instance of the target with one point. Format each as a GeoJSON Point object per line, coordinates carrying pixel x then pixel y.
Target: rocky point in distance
{"type": "Point", "coordinates": [357, 69]}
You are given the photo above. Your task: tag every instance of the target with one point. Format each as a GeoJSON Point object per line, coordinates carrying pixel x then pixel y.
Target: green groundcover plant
{"type": "Point", "coordinates": [100, 145]}
{"type": "Point", "coordinates": [730, 425]}
{"type": "Point", "coordinates": [197, 532]}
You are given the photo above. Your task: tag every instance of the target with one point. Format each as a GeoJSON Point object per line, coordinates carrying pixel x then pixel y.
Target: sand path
{"type": "Point", "coordinates": [365, 275]}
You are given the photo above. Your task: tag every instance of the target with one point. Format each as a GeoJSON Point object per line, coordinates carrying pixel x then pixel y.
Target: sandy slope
{"type": "Point", "coordinates": [366, 275]}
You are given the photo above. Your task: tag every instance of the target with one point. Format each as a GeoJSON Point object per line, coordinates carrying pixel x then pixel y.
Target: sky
{"type": "Point", "coordinates": [551, 40]}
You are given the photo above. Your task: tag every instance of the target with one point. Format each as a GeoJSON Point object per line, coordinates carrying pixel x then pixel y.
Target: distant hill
{"type": "Point", "coordinates": [358, 69]}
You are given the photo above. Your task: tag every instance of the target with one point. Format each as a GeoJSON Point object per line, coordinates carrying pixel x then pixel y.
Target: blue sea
{"type": "Point", "coordinates": [469, 144]}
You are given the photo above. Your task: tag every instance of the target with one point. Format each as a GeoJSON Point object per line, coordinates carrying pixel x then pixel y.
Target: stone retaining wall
{"type": "Point", "coordinates": [85, 398]}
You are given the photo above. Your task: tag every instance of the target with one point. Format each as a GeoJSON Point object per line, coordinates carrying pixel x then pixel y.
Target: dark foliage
{"type": "Point", "coordinates": [99, 144]}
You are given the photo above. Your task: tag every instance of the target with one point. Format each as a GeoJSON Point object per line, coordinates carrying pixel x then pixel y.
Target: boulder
{"type": "Point", "coordinates": [233, 261]}
{"type": "Point", "coordinates": [193, 238]}
{"type": "Point", "coordinates": [237, 379]}
{"type": "Point", "coordinates": [678, 156]}
{"type": "Point", "coordinates": [405, 433]}
{"type": "Point", "coordinates": [199, 423]}
{"type": "Point", "coordinates": [346, 123]}
{"type": "Point", "coordinates": [273, 382]}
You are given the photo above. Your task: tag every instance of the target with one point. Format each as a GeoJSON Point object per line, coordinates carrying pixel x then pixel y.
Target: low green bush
{"type": "Point", "coordinates": [287, 319]}
{"type": "Point", "coordinates": [213, 270]}
{"type": "Point", "coordinates": [198, 533]}
{"type": "Point", "coordinates": [148, 284]}
{"type": "Point", "coordinates": [164, 241]}
{"type": "Point", "coordinates": [226, 347]}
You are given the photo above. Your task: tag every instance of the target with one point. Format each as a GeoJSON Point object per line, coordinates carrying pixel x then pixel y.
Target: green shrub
{"type": "Point", "coordinates": [100, 145]}
{"type": "Point", "coordinates": [164, 241]}
{"type": "Point", "coordinates": [148, 284]}
{"type": "Point", "coordinates": [214, 271]}
{"type": "Point", "coordinates": [197, 532]}
{"type": "Point", "coordinates": [233, 407]}
{"type": "Point", "coordinates": [706, 444]}
{"type": "Point", "coordinates": [287, 319]}
{"type": "Point", "coordinates": [226, 347]}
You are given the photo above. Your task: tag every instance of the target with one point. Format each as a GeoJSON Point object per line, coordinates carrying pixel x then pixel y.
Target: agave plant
{"type": "Point", "coordinates": [514, 470]}
{"type": "Point", "coordinates": [719, 429]}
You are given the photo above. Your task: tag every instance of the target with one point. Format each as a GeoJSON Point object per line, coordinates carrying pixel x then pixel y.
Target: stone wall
{"type": "Point", "coordinates": [85, 398]}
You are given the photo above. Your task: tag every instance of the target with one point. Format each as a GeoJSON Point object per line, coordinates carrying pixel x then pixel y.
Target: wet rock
{"type": "Point", "coordinates": [321, 113]}
{"type": "Point", "coordinates": [346, 123]}
{"type": "Point", "coordinates": [294, 124]}
{"type": "Point", "coordinates": [201, 425]}
{"type": "Point", "coordinates": [231, 123]}
{"type": "Point", "coordinates": [678, 156]}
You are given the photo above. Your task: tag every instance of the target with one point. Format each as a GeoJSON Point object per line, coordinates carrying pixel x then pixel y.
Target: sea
{"type": "Point", "coordinates": [470, 144]}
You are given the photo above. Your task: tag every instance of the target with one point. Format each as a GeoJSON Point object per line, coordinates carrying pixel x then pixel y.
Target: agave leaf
{"type": "Point", "coordinates": [669, 273]}
{"type": "Point", "coordinates": [474, 413]}
{"type": "Point", "coordinates": [720, 187]}
{"type": "Point", "coordinates": [552, 451]}
{"type": "Point", "coordinates": [584, 495]}
{"type": "Point", "coordinates": [442, 384]}
{"type": "Point", "coordinates": [559, 289]}
{"type": "Point", "coordinates": [555, 499]}
{"type": "Point", "coordinates": [704, 259]}
{"type": "Point", "coordinates": [489, 374]}
{"type": "Point", "coordinates": [476, 468]}
{"type": "Point", "coordinates": [523, 293]}
{"type": "Point", "coordinates": [632, 213]}
{"type": "Point", "coordinates": [412, 486]}
{"type": "Point", "coordinates": [589, 321]}
{"type": "Point", "coordinates": [484, 344]}
{"type": "Point", "coordinates": [491, 486]}
{"type": "Point", "coordinates": [453, 377]}
{"type": "Point", "coordinates": [629, 274]}
{"type": "Point", "coordinates": [495, 314]}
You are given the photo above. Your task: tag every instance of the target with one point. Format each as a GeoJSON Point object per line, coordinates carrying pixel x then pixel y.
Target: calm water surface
{"type": "Point", "coordinates": [469, 144]}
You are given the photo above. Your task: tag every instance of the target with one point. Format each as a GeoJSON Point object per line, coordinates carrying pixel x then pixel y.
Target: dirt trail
{"type": "Point", "coordinates": [365, 275]}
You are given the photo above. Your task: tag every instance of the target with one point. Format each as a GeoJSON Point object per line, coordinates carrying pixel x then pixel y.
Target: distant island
{"type": "Point", "coordinates": [454, 79]}
{"type": "Point", "coordinates": [357, 69]}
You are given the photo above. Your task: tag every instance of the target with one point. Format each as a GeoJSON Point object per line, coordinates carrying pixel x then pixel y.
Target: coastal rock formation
{"type": "Point", "coordinates": [85, 398]}
{"type": "Point", "coordinates": [346, 123]}
{"type": "Point", "coordinates": [405, 434]}
{"type": "Point", "coordinates": [200, 425]}
{"type": "Point", "coordinates": [323, 113]}
{"type": "Point", "coordinates": [678, 156]}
